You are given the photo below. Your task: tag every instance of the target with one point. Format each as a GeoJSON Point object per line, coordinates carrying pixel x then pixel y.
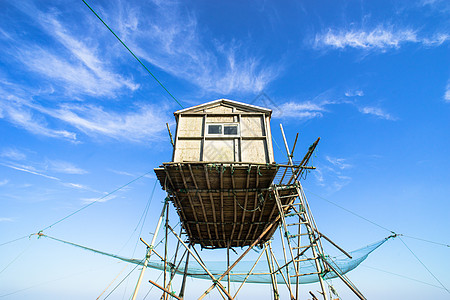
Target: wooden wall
{"type": "Point", "coordinates": [252, 143]}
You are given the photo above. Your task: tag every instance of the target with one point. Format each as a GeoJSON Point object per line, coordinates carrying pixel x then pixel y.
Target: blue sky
{"type": "Point", "coordinates": [79, 117]}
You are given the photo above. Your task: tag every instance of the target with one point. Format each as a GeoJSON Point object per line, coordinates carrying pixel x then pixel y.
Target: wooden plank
{"type": "Point", "coordinates": [221, 202]}
{"type": "Point", "coordinates": [177, 204]}
{"type": "Point", "coordinates": [255, 205]}
{"type": "Point", "coordinates": [245, 201]}
{"type": "Point", "coordinates": [201, 201]}
{"type": "Point", "coordinates": [194, 211]}
{"type": "Point", "coordinates": [211, 199]}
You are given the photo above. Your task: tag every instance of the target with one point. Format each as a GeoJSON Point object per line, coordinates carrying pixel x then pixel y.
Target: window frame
{"type": "Point", "coordinates": [238, 132]}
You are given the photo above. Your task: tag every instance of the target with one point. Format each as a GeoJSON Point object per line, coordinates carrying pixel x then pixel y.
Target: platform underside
{"type": "Point", "coordinates": [222, 205]}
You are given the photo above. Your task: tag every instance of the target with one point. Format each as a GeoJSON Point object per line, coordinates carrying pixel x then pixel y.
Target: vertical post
{"type": "Point", "coordinates": [272, 275]}
{"type": "Point", "coordinates": [149, 251]}
{"type": "Point", "coordinates": [165, 251]}
{"type": "Point", "coordinates": [286, 145]}
{"type": "Point", "coordinates": [183, 283]}
{"type": "Point", "coordinates": [228, 265]}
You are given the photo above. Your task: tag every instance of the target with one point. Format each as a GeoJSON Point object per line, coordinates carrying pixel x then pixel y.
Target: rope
{"type": "Point", "coordinates": [349, 211]}
{"type": "Point", "coordinates": [131, 52]}
{"type": "Point", "coordinates": [382, 227]}
{"type": "Point", "coordinates": [86, 206]}
{"type": "Point", "coordinates": [403, 276]}
{"type": "Point", "coordinates": [423, 240]}
{"type": "Point", "coordinates": [424, 265]}
{"type": "Point", "coordinates": [111, 282]}
{"type": "Point", "coordinates": [15, 240]}
{"type": "Point", "coordinates": [124, 279]}
{"type": "Point", "coordinates": [16, 258]}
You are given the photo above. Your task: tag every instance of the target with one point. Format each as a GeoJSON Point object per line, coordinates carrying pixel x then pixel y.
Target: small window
{"type": "Point", "coordinates": [214, 129]}
{"type": "Point", "coordinates": [230, 130]}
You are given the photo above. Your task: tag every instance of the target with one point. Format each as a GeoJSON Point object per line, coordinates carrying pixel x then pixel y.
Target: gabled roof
{"type": "Point", "coordinates": [239, 105]}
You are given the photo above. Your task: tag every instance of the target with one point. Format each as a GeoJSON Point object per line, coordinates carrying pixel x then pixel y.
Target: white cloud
{"type": "Point", "coordinates": [138, 126]}
{"type": "Point", "coordinates": [65, 167]}
{"type": "Point", "coordinates": [122, 173]}
{"type": "Point", "coordinates": [79, 65]}
{"type": "Point", "coordinates": [338, 162]}
{"type": "Point", "coordinates": [330, 173]}
{"type": "Point", "coordinates": [353, 93]}
{"type": "Point", "coordinates": [4, 182]}
{"type": "Point", "coordinates": [436, 40]}
{"type": "Point", "coordinates": [300, 110]}
{"type": "Point", "coordinates": [379, 38]}
{"type": "Point", "coordinates": [143, 123]}
{"type": "Point", "coordinates": [29, 169]}
{"type": "Point", "coordinates": [6, 220]}
{"type": "Point", "coordinates": [99, 199]}
{"type": "Point", "coordinates": [378, 112]}
{"type": "Point", "coordinates": [172, 40]}
{"type": "Point", "coordinates": [26, 118]}
{"type": "Point", "coordinates": [447, 92]}
{"type": "Point", "coordinates": [13, 154]}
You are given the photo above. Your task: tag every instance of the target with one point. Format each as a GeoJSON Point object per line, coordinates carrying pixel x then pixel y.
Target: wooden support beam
{"type": "Point", "coordinates": [216, 282]}
{"type": "Point", "coordinates": [255, 205]}
{"type": "Point", "coordinates": [164, 290]}
{"type": "Point", "coordinates": [200, 199]}
{"type": "Point", "coordinates": [245, 201]}
{"type": "Point", "coordinates": [194, 211]}
{"type": "Point", "coordinates": [211, 199]}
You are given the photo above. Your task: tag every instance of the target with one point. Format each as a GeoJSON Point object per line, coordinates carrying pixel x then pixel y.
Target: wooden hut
{"type": "Point", "coordinates": [221, 173]}
{"type": "Point", "coordinates": [223, 131]}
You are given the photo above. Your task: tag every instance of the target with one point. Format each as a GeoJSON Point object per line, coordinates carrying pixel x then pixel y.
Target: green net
{"type": "Point", "coordinates": [260, 274]}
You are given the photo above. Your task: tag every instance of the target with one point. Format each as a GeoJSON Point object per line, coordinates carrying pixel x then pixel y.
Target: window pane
{"type": "Point", "coordinates": [230, 130]}
{"type": "Point", "coordinates": [214, 129]}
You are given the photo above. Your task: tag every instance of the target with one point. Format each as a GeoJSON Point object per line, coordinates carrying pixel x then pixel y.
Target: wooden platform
{"type": "Point", "coordinates": [222, 205]}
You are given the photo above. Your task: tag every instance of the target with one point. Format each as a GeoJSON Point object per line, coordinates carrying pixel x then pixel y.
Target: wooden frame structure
{"type": "Point", "coordinates": [233, 202]}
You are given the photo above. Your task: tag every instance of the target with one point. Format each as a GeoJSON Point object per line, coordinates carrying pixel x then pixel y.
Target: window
{"type": "Point", "coordinates": [223, 129]}
{"type": "Point", "coordinates": [230, 130]}
{"type": "Point", "coordinates": [214, 129]}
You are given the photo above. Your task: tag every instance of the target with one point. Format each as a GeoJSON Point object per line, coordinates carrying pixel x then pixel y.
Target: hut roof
{"type": "Point", "coordinates": [239, 105]}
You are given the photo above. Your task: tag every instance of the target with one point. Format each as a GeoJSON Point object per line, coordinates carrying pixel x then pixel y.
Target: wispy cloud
{"type": "Point", "coordinates": [353, 93]}
{"type": "Point", "coordinates": [25, 117]}
{"type": "Point", "coordinates": [6, 219]}
{"type": "Point", "coordinates": [330, 173]}
{"type": "Point", "coordinates": [380, 38]}
{"type": "Point", "coordinates": [4, 182]}
{"type": "Point", "coordinates": [122, 173]}
{"type": "Point", "coordinates": [29, 169]}
{"type": "Point", "coordinates": [13, 154]}
{"type": "Point", "coordinates": [98, 199]}
{"type": "Point", "coordinates": [447, 92]}
{"type": "Point", "coordinates": [141, 123]}
{"type": "Point", "coordinates": [338, 162]}
{"type": "Point", "coordinates": [378, 112]}
{"type": "Point", "coordinates": [301, 110]}
{"type": "Point", "coordinates": [171, 40]}
{"type": "Point", "coordinates": [76, 62]}
{"type": "Point", "coordinates": [65, 167]}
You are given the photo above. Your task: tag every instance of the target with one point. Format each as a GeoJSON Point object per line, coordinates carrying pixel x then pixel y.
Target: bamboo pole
{"type": "Point", "coordinates": [183, 283]}
{"type": "Point", "coordinates": [149, 251]}
{"type": "Point", "coordinates": [357, 293]}
{"type": "Point", "coordinates": [255, 242]}
{"type": "Point", "coordinates": [273, 279]}
{"type": "Point", "coordinates": [216, 282]}
{"type": "Point", "coordinates": [248, 274]}
{"type": "Point", "coordinates": [165, 291]}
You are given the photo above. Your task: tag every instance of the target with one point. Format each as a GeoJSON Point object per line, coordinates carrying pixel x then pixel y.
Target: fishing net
{"type": "Point", "coordinates": [260, 273]}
